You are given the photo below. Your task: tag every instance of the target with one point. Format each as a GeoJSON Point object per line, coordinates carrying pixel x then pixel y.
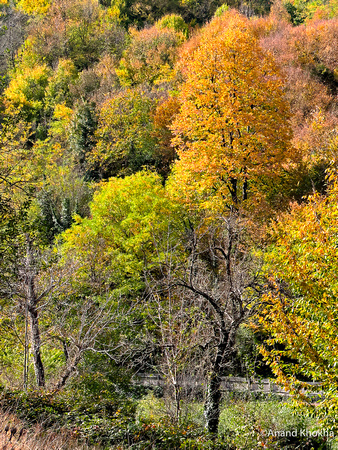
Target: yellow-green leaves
{"type": "Point", "coordinates": [124, 137]}
{"type": "Point", "coordinates": [26, 91]}
{"type": "Point", "coordinates": [34, 7]}
{"type": "Point", "coordinates": [301, 316]}
{"type": "Point", "coordinates": [130, 218]}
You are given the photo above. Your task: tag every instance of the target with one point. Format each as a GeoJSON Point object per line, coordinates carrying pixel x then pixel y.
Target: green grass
{"type": "Point", "coordinates": [245, 424]}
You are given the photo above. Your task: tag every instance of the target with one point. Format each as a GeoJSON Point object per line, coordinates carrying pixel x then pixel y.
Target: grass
{"type": "Point", "coordinates": [248, 424]}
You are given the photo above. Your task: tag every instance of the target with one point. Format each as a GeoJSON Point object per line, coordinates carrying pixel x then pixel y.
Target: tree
{"type": "Point", "coordinates": [62, 195]}
{"type": "Point", "coordinates": [224, 282]}
{"type": "Point", "coordinates": [41, 304]}
{"type": "Point", "coordinates": [13, 30]}
{"type": "Point", "coordinates": [25, 283]}
{"type": "Point", "coordinates": [27, 89]}
{"type": "Point", "coordinates": [82, 136]}
{"type": "Point", "coordinates": [39, 7]}
{"type": "Point", "coordinates": [232, 130]}
{"type": "Point", "coordinates": [78, 30]}
{"type": "Point", "coordinates": [306, 54]}
{"type": "Point", "coordinates": [175, 22]}
{"type": "Point", "coordinates": [124, 135]}
{"type": "Point", "coordinates": [301, 311]}
{"type": "Point", "coordinates": [141, 13]}
{"type": "Point", "coordinates": [18, 171]}
{"type": "Point", "coordinates": [115, 244]}
{"type": "Point", "coordinates": [121, 245]}
{"type": "Point", "coordinates": [150, 56]}
{"type": "Point", "coordinates": [162, 119]}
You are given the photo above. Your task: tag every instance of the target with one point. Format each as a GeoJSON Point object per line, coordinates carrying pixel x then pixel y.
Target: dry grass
{"type": "Point", "coordinates": [14, 435]}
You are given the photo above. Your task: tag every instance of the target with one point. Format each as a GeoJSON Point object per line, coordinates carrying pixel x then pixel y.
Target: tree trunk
{"type": "Point", "coordinates": [213, 398]}
{"type": "Point", "coordinates": [36, 347]}
{"type": "Point", "coordinates": [69, 371]}
{"type": "Point", "coordinates": [32, 301]}
{"type": "Point", "coordinates": [212, 403]}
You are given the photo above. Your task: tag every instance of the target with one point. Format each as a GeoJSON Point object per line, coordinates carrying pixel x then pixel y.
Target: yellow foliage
{"type": "Point", "coordinates": [34, 7]}
{"type": "Point", "coordinates": [26, 90]}
{"type": "Point", "coordinates": [301, 310]}
{"type": "Point", "coordinates": [17, 163]}
{"type": "Point", "coordinates": [62, 118]}
{"type": "Point", "coordinates": [232, 128]}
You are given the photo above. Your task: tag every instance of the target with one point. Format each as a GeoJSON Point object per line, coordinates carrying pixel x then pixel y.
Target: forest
{"type": "Point", "coordinates": [169, 209]}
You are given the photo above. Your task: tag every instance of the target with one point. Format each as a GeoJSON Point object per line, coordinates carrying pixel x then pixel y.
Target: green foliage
{"type": "Point", "coordinates": [124, 136]}
{"type": "Point", "coordinates": [221, 10]}
{"type": "Point", "coordinates": [82, 136]}
{"type": "Point", "coordinates": [11, 349]}
{"type": "Point", "coordinates": [174, 22]}
{"type": "Point", "coordinates": [297, 11]}
{"type": "Point", "coordinates": [63, 195]}
{"type": "Point", "coordinates": [90, 420]}
{"type": "Point", "coordinates": [112, 422]}
{"type": "Point", "coordinates": [303, 10]}
{"type": "Point", "coordinates": [300, 315]}
{"type": "Point", "coordinates": [116, 243]}
{"type": "Point", "coordinates": [58, 91]}
{"type": "Point", "coordinates": [141, 13]}
{"type": "Point", "coordinates": [261, 423]}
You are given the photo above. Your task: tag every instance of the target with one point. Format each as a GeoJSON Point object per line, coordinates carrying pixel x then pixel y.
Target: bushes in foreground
{"type": "Point", "coordinates": [125, 422]}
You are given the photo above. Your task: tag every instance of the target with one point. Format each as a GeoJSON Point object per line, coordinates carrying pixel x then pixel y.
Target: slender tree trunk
{"type": "Point", "coordinates": [177, 395]}
{"type": "Point", "coordinates": [32, 301]}
{"type": "Point", "coordinates": [36, 347]}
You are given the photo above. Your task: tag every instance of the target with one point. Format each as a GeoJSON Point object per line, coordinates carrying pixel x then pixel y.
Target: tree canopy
{"type": "Point", "coordinates": [232, 129]}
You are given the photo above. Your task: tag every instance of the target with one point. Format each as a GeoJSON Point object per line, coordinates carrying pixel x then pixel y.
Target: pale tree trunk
{"type": "Point", "coordinates": [36, 347]}
{"type": "Point", "coordinates": [32, 301]}
{"type": "Point", "coordinates": [71, 368]}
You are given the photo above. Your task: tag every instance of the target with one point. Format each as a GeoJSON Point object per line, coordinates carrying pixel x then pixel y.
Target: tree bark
{"type": "Point", "coordinates": [212, 403]}
{"type": "Point", "coordinates": [69, 371]}
{"type": "Point", "coordinates": [32, 301]}
{"type": "Point", "coordinates": [213, 397]}
{"type": "Point", "coordinates": [36, 347]}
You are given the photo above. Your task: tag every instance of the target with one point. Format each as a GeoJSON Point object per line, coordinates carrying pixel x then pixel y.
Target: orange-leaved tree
{"type": "Point", "coordinates": [232, 130]}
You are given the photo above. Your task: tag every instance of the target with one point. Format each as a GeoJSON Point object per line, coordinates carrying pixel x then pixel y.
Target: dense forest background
{"type": "Point", "coordinates": [168, 205]}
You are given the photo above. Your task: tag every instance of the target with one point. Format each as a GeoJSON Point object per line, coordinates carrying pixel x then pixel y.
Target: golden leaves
{"type": "Point", "coordinates": [233, 121]}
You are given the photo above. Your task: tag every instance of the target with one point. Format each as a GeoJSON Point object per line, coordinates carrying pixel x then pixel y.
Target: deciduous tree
{"type": "Point", "coordinates": [150, 56]}
{"type": "Point", "coordinates": [301, 312]}
{"type": "Point", "coordinates": [124, 136]}
{"type": "Point", "coordinates": [232, 130]}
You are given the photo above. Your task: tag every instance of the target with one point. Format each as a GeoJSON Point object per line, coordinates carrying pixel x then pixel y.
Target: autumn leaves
{"type": "Point", "coordinates": [232, 130]}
